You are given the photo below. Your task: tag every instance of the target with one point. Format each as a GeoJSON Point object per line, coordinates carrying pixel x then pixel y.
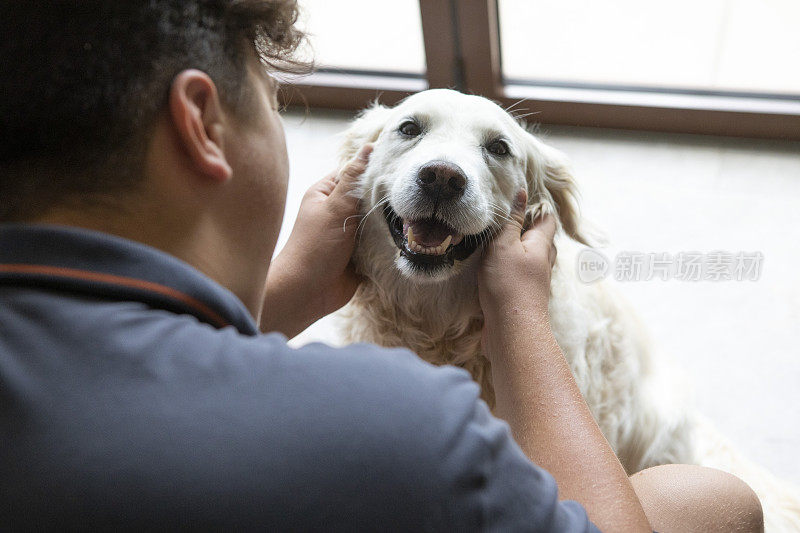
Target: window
{"type": "Point", "coordinates": [360, 35]}
{"type": "Point", "coordinates": [724, 67]}
{"type": "Point", "coordinates": [714, 45]}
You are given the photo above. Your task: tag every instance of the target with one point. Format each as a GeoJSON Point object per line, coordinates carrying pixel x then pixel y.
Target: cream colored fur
{"type": "Point", "coordinates": [632, 394]}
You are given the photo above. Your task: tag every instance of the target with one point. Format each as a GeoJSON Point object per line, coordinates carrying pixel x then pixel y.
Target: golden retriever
{"type": "Point", "coordinates": [440, 182]}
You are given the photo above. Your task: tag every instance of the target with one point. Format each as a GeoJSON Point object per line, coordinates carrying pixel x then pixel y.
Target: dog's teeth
{"type": "Point", "coordinates": [414, 246]}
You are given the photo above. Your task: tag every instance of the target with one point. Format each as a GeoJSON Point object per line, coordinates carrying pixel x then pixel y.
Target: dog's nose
{"type": "Point", "coordinates": [442, 180]}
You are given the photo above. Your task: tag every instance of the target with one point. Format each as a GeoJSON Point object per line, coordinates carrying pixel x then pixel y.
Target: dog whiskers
{"type": "Point", "coordinates": [522, 116]}
{"type": "Point", "coordinates": [502, 217]}
{"type": "Point", "coordinates": [344, 224]}
{"type": "Point", "coordinates": [360, 227]}
{"type": "Point", "coordinates": [512, 106]}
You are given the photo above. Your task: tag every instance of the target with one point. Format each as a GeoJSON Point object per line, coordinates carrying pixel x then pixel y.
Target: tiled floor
{"type": "Point", "coordinates": [736, 340]}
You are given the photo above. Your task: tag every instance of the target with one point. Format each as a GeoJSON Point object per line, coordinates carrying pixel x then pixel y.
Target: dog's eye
{"type": "Point", "coordinates": [410, 128]}
{"type": "Point", "coordinates": [498, 147]}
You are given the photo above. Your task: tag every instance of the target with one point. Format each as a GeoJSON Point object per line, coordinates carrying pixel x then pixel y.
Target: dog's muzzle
{"type": "Point", "coordinates": [430, 244]}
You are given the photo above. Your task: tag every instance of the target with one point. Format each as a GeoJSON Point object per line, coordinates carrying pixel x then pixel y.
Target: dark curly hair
{"type": "Point", "coordinates": [82, 82]}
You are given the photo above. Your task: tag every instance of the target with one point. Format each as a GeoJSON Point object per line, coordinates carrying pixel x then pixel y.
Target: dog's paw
{"type": "Point", "coordinates": [535, 211]}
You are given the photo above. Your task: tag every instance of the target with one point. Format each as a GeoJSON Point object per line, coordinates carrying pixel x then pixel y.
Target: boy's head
{"type": "Point", "coordinates": [84, 83]}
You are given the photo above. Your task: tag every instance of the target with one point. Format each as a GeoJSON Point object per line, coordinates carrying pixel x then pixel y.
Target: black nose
{"type": "Point", "coordinates": [442, 180]}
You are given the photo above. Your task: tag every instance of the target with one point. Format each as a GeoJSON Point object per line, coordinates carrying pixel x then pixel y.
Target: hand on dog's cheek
{"type": "Point", "coordinates": [313, 275]}
{"type": "Point", "coordinates": [514, 276]}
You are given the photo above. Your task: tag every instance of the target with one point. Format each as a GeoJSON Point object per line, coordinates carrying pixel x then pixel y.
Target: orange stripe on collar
{"type": "Point", "coordinates": [123, 281]}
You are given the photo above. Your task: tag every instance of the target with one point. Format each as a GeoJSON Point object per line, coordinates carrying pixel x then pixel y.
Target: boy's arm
{"type": "Point", "coordinates": [535, 390]}
{"type": "Point", "coordinates": [313, 276]}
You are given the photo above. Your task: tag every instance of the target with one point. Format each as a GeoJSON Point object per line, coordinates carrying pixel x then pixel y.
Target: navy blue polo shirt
{"type": "Point", "coordinates": [136, 393]}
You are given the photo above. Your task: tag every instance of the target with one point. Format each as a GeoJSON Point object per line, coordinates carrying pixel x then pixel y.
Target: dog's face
{"type": "Point", "coordinates": [442, 177]}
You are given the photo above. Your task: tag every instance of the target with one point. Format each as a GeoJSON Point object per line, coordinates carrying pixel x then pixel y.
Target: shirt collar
{"type": "Point", "coordinates": [80, 260]}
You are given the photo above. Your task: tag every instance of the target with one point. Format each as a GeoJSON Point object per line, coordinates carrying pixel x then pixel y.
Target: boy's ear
{"type": "Point", "coordinates": [551, 187]}
{"type": "Point", "coordinates": [197, 117]}
{"type": "Point", "coordinates": [366, 128]}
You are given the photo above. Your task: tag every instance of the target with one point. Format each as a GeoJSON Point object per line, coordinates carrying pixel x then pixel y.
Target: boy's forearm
{"type": "Point", "coordinates": [537, 395]}
{"type": "Point", "coordinates": [288, 308]}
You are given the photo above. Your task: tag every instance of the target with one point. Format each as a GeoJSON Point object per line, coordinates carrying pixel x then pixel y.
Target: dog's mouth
{"type": "Point", "coordinates": [431, 243]}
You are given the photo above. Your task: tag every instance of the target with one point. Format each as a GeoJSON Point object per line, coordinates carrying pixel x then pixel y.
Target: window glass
{"type": "Point", "coordinates": [713, 45]}
{"type": "Point", "coordinates": [365, 35]}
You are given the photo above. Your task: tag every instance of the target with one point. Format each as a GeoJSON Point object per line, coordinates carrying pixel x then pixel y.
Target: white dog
{"type": "Point", "coordinates": [440, 182]}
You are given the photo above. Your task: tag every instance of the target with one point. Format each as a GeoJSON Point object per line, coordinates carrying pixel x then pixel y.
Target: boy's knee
{"type": "Point", "coordinates": [750, 513]}
{"type": "Point", "coordinates": [696, 498]}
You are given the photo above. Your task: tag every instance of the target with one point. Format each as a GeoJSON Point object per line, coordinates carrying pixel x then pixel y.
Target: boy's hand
{"type": "Point", "coordinates": [515, 272]}
{"type": "Point", "coordinates": [313, 276]}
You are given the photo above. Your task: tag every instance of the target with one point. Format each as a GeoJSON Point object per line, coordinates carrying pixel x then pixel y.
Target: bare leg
{"type": "Point", "coordinates": [686, 498]}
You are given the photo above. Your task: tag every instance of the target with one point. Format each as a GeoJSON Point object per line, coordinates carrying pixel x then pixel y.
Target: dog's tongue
{"type": "Point", "coordinates": [429, 232]}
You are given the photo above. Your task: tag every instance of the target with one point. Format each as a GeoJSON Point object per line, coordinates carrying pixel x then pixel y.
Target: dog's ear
{"type": "Point", "coordinates": [364, 129]}
{"type": "Point", "coordinates": [551, 187]}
